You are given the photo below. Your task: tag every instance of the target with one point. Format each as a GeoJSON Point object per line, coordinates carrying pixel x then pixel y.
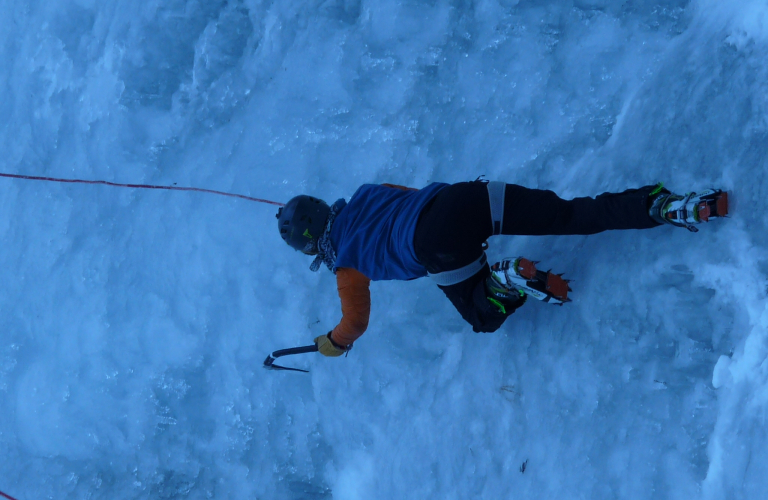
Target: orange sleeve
{"type": "Point", "coordinates": [399, 187]}
{"type": "Point", "coordinates": [355, 296]}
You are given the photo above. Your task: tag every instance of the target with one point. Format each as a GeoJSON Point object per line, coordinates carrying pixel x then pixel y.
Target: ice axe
{"type": "Point", "coordinates": [269, 362]}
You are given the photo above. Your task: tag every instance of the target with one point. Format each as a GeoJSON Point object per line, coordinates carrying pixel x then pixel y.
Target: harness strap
{"type": "Point", "coordinates": [496, 191]}
{"type": "Point", "coordinates": [448, 278]}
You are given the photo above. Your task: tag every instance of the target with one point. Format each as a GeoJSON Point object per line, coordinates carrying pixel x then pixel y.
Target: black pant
{"type": "Point", "coordinates": [453, 226]}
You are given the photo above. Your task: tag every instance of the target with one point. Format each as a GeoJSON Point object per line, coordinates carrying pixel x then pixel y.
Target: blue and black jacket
{"type": "Point", "coordinates": [373, 240]}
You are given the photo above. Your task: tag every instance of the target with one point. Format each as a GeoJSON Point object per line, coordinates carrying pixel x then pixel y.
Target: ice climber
{"type": "Point", "coordinates": [388, 232]}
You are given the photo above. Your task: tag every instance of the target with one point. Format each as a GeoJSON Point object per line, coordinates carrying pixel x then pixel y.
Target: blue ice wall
{"type": "Point", "coordinates": [133, 323]}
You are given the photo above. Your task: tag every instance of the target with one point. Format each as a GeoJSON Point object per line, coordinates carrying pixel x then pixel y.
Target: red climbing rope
{"type": "Point", "coordinates": [138, 186]}
{"type": "Point", "coordinates": [135, 186]}
{"type": "Point", "coordinates": [6, 496]}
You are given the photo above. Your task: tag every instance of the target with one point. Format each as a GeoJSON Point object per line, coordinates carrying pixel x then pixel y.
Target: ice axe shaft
{"type": "Point", "coordinates": [269, 362]}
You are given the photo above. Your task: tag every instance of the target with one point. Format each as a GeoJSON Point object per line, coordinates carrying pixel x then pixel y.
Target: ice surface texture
{"type": "Point", "coordinates": [133, 323]}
